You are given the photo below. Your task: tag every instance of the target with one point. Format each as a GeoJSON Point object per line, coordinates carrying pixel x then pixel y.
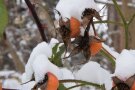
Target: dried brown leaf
{"type": "Point", "coordinates": [95, 39]}
{"type": "Point", "coordinates": [119, 84]}
{"type": "Point", "coordinates": [87, 53]}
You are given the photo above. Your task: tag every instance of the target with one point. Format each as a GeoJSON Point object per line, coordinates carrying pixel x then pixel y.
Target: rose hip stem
{"type": "Point", "coordinates": [108, 53]}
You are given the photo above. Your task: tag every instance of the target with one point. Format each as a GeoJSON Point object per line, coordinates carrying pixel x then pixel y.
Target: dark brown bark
{"type": "Point", "coordinates": [36, 18]}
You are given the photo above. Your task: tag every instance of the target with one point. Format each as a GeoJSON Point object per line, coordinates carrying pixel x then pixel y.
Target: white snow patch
{"type": "Point", "coordinates": [39, 64]}
{"type": "Point", "coordinates": [24, 78]}
{"type": "Point", "coordinates": [74, 8]}
{"type": "Point", "coordinates": [6, 73]}
{"type": "Point", "coordinates": [42, 65]}
{"type": "Point", "coordinates": [53, 42]}
{"type": "Point", "coordinates": [67, 74]}
{"type": "Point", "coordinates": [92, 72]}
{"type": "Point", "coordinates": [132, 52]}
{"type": "Point", "coordinates": [28, 86]}
{"type": "Point", "coordinates": [11, 83]}
{"type": "Point", "coordinates": [41, 49]}
{"type": "Point", "coordinates": [125, 64]}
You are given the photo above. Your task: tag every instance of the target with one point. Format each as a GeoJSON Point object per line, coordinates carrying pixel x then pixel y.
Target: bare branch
{"type": "Point", "coordinates": [36, 18]}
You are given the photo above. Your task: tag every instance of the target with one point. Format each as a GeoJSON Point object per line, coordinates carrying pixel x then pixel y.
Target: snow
{"type": "Point", "coordinates": [53, 42]}
{"type": "Point", "coordinates": [24, 78]}
{"type": "Point", "coordinates": [132, 52]}
{"type": "Point", "coordinates": [42, 65]}
{"type": "Point", "coordinates": [39, 65]}
{"type": "Point", "coordinates": [125, 64]}
{"type": "Point", "coordinates": [11, 83]}
{"type": "Point", "coordinates": [74, 8]}
{"type": "Point", "coordinates": [92, 72]}
{"type": "Point", "coordinates": [6, 73]}
{"type": "Point", "coordinates": [9, 74]}
{"type": "Point", "coordinates": [62, 73]}
{"type": "Point", "coordinates": [41, 48]}
{"type": "Point", "coordinates": [67, 74]}
{"type": "Point", "coordinates": [10, 79]}
{"type": "Point", "coordinates": [28, 86]}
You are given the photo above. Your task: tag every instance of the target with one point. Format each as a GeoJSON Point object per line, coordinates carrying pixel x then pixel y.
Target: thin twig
{"type": "Point", "coordinates": [75, 86]}
{"type": "Point", "coordinates": [9, 89]}
{"type": "Point", "coordinates": [37, 20]}
{"type": "Point", "coordinates": [132, 18]}
{"type": "Point", "coordinates": [111, 22]}
{"type": "Point", "coordinates": [109, 56]}
{"type": "Point", "coordinates": [124, 22]}
{"type": "Point", "coordinates": [119, 11]}
{"type": "Point", "coordinates": [108, 53]}
{"type": "Point", "coordinates": [80, 81]}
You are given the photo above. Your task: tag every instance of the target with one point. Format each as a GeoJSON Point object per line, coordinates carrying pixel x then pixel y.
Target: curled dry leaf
{"type": "Point", "coordinates": [119, 85]}
{"type": "Point", "coordinates": [68, 29]}
{"type": "Point", "coordinates": [87, 15]}
{"type": "Point", "coordinates": [73, 25]}
{"type": "Point", "coordinates": [129, 84]}
{"type": "Point", "coordinates": [82, 43]}
{"type": "Point", "coordinates": [64, 30]}
{"type": "Point", "coordinates": [90, 13]}
{"type": "Point", "coordinates": [87, 53]}
{"type": "Point", "coordinates": [65, 33]}
{"type": "Point", "coordinates": [89, 45]}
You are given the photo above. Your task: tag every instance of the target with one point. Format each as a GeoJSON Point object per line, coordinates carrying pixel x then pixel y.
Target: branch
{"type": "Point", "coordinates": [107, 21]}
{"type": "Point", "coordinates": [75, 86]}
{"type": "Point", "coordinates": [8, 89]}
{"type": "Point", "coordinates": [132, 18]}
{"type": "Point", "coordinates": [80, 81]}
{"type": "Point", "coordinates": [124, 22]}
{"type": "Point", "coordinates": [16, 59]}
{"type": "Point", "coordinates": [119, 11]}
{"type": "Point", "coordinates": [108, 56]}
{"type": "Point", "coordinates": [36, 18]}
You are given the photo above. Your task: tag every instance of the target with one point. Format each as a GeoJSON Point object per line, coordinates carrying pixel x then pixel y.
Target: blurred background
{"type": "Point", "coordinates": [21, 34]}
